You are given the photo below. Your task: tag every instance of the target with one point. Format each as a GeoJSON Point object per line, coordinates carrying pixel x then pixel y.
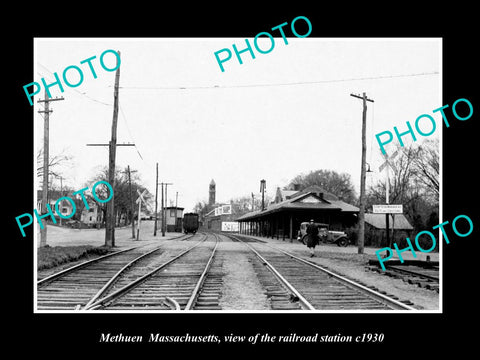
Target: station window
{"type": "Point", "coordinates": [172, 212]}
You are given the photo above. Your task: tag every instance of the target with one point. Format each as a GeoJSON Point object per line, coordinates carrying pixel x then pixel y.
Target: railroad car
{"type": "Point", "coordinates": [190, 223]}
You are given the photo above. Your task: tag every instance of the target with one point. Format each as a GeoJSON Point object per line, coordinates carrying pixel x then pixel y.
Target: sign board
{"type": "Point", "coordinates": [388, 163]}
{"type": "Point", "coordinates": [230, 226]}
{"type": "Point", "coordinates": [226, 209]}
{"type": "Point", "coordinates": [388, 209]}
{"type": "Point", "coordinates": [223, 210]}
{"type": "Point", "coordinates": [140, 197]}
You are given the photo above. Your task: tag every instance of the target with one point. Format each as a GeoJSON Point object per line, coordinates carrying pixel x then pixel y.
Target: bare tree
{"type": "Point", "coordinates": [426, 164]}
{"type": "Point", "coordinates": [54, 162]}
{"type": "Point", "coordinates": [413, 182]}
{"type": "Point", "coordinates": [122, 204]}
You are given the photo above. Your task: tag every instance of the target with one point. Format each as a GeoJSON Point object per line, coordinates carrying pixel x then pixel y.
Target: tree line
{"type": "Point", "coordinates": [121, 187]}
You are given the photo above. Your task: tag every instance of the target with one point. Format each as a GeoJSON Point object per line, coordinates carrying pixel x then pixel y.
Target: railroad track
{"type": "Point", "coordinates": [316, 288]}
{"type": "Point", "coordinates": [76, 287]}
{"type": "Point", "coordinates": [184, 282]}
{"type": "Point", "coordinates": [425, 277]}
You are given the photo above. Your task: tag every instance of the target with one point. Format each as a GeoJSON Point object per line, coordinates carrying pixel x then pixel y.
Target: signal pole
{"type": "Point", "coordinates": [46, 111]}
{"type": "Point", "coordinates": [361, 215]}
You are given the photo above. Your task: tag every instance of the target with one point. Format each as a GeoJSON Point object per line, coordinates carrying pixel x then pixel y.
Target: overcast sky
{"type": "Point", "coordinates": [276, 116]}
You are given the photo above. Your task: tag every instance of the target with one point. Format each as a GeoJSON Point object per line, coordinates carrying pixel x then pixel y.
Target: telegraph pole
{"type": "Point", "coordinates": [176, 210]}
{"type": "Point", "coordinates": [61, 195]}
{"type": "Point", "coordinates": [132, 209]}
{"type": "Point", "coordinates": [110, 222]}
{"type": "Point", "coordinates": [163, 206]}
{"type": "Point", "coordinates": [112, 147]}
{"type": "Point", "coordinates": [156, 204]}
{"type": "Point", "coordinates": [361, 215]}
{"type": "Point", "coordinates": [46, 111]}
{"type": "Point", "coordinates": [163, 229]}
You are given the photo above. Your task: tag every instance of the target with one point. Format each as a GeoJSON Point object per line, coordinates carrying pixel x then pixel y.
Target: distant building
{"type": "Point", "coordinates": [93, 216]}
{"type": "Point", "coordinates": [376, 233]}
{"type": "Point", "coordinates": [65, 207]}
{"type": "Point", "coordinates": [222, 213]}
{"type": "Point", "coordinates": [211, 193]}
{"type": "Point", "coordinates": [282, 195]}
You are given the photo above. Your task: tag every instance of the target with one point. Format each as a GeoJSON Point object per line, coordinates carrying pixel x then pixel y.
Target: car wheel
{"type": "Point", "coordinates": [342, 242]}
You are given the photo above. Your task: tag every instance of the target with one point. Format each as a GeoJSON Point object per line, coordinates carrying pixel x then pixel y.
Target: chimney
{"type": "Point", "coordinates": [296, 187]}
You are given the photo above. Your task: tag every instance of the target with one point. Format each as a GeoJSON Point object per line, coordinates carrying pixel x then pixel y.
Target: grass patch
{"type": "Point", "coordinates": [49, 257]}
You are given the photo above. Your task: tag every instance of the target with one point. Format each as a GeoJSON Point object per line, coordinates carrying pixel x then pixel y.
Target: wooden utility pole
{"type": "Point", "coordinates": [176, 210]}
{"type": "Point", "coordinates": [139, 217]}
{"type": "Point", "coordinates": [163, 206]}
{"type": "Point", "coordinates": [361, 215]}
{"type": "Point", "coordinates": [46, 111]}
{"type": "Point", "coordinates": [132, 208]}
{"type": "Point", "coordinates": [156, 203]}
{"type": "Point", "coordinates": [110, 221]}
{"type": "Point", "coordinates": [163, 228]}
{"type": "Point", "coordinates": [61, 195]}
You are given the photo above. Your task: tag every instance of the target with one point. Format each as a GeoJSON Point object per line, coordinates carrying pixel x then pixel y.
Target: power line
{"type": "Point", "coordinates": [81, 93]}
{"type": "Point", "coordinates": [128, 129]}
{"type": "Point", "coordinates": [277, 84]}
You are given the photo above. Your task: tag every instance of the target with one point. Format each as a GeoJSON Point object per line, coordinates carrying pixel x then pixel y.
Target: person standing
{"type": "Point", "coordinates": [312, 237]}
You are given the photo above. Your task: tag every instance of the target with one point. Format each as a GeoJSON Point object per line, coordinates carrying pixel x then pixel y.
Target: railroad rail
{"type": "Point", "coordinates": [423, 276]}
{"type": "Point", "coordinates": [176, 284]}
{"type": "Point", "coordinates": [318, 288]}
{"type": "Point", "coordinates": [78, 286]}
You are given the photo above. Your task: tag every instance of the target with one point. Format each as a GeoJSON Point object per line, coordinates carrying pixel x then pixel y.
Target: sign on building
{"type": "Point", "coordinates": [226, 209]}
{"type": "Point", "coordinates": [230, 226]}
{"type": "Point", "coordinates": [388, 209]}
{"type": "Point", "coordinates": [223, 210]}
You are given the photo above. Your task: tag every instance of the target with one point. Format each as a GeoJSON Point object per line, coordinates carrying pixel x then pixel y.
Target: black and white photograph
{"type": "Point", "coordinates": [258, 181]}
{"type": "Point", "coordinates": [237, 190]}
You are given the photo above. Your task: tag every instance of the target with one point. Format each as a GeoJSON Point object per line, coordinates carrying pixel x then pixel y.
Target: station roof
{"type": "Point", "coordinates": [310, 200]}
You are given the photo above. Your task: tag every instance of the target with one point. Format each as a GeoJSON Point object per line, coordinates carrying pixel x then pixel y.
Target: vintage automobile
{"type": "Point", "coordinates": [326, 235]}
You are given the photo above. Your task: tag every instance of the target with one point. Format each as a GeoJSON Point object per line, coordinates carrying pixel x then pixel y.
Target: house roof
{"type": "Point", "coordinates": [287, 193]}
{"type": "Point", "coordinates": [379, 221]}
{"type": "Point", "coordinates": [302, 201]}
{"type": "Point", "coordinates": [318, 190]}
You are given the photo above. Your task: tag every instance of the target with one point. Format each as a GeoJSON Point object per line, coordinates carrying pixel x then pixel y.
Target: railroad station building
{"type": "Point", "coordinates": [282, 218]}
